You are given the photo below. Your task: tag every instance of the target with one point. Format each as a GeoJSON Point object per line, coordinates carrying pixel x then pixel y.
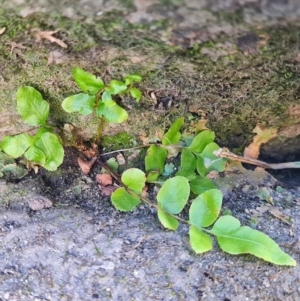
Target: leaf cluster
{"type": "Point", "coordinates": [191, 189]}
{"type": "Point", "coordinates": [98, 96]}
{"type": "Point", "coordinates": [44, 148]}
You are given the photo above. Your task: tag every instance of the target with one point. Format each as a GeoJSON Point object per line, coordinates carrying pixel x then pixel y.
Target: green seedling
{"type": "Point", "coordinates": [42, 149]}
{"type": "Point", "coordinates": [190, 188]}
{"type": "Point", "coordinates": [98, 97]}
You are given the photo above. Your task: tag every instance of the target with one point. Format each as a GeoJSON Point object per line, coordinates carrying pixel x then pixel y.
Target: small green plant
{"type": "Point", "coordinates": [44, 148]}
{"type": "Point", "coordinates": [98, 97]}
{"type": "Point", "coordinates": [191, 188]}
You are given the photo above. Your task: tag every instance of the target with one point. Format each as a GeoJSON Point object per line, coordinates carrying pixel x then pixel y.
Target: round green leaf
{"type": "Point", "coordinates": [87, 82]}
{"type": "Point", "coordinates": [134, 179]}
{"type": "Point", "coordinates": [124, 201]}
{"type": "Point", "coordinates": [200, 241]}
{"type": "Point", "coordinates": [234, 239]}
{"type": "Point", "coordinates": [112, 112]}
{"type": "Point", "coordinates": [201, 140]}
{"type": "Point", "coordinates": [82, 103]}
{"type": "Point", "coordinates": [50, 145]}
{"type": "Point", "coordinates": [174, 194]}
{"type": "Point", "coordinates": [167, 220]}
{"type": "Point", "coordinates": [205, 209]}
{"type": "Point", "coordinates": [200, 184]}
{"type": "Point", "coordinates": [155, 159]}
{"type": "Point", "coordinates": [15, 146]}
{"type": "Point", "coordinates": [36, 155]}
{"type": "Point", "coordinates": [33, 109]}
{"type": "Point", "coordinates": [136, 93]}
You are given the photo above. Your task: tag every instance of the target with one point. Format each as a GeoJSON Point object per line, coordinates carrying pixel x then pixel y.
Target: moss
{"type": "Point", "coordinates": [118, 141]}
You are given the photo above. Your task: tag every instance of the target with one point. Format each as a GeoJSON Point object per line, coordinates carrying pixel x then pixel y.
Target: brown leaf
{"type": "Point", "coordinates": [121, 160]}
{"type": "Point", "coordinates": [38, 203]}
{"type": "Point", "coordinates": [104, 179]}
{"type": "Point", "coordinates": [48, 35]}
{"type": "Point", "coordinates": [263, 135]}
{"type": "Point", "coordinates": [278, 214]}
{"type": "Point", "coordinates": [86, 165]}
{"type": "Point", "coordinates": [107, 190]}
{"type": "Point", "coordinates": [2, 30]}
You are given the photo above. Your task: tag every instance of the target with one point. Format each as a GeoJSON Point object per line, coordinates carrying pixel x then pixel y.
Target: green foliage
{"type": "Point", "coordinates": [197, 160]}
{"type": "Point", "coordinates": [44, 148]}
{"type": "Point", "coordinates": [98, 97]}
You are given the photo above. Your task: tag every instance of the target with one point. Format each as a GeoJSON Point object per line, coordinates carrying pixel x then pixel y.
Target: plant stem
{"type": "Point", "coordinates": [100, 130]}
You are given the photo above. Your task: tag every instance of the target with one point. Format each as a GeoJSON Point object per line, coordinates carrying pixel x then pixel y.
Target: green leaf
{"type": "Point", "coordinates": [190, 175]}
{"type": "Point", "coordinates": [205, 209]}
{"type": "Point", "coordinates": [168, 169]}
{"type": "Point", "coordinates": [152, 176]}
{"type": "Point", "coordinates": [201, 140]}
{"type": "Point", "coordinates": [134, 179]}
{"type": "Point", "coordinates": [113, 164]}
{"type": "Point", "coordinates": [234, 239]}
{"type": "Point", "coordinates": [50, 145]}
{"type": "Point", "coordinates": [131, 78]}
{"type": "Point", "coordinates": [13, 171]}
{"type": "Point", "coordinates": [112, 112]}
{"type": "Point", "coordinates": [174, 194]}
{"type": "Point", "coordinates": [34, 154]}
{"type": "Point", "coordinates": [200, 184]}
{"type": "Point", "coordinates": [155, 159]}
{"type": "Point", "coordinates": [167, 220]}
{"type": "Point", "coordinates": [188, 160]}
{"type": "Point", "coordinates": [201, 168]}
{"type": "Point", "coordinates": [212, 162]}
{"type": "Point", "coordinates": [33, 109]}
{"type": "Point", "coordinates": [200, 241]}
{"type": "Point", "coordinates": [173, 135]}
{"type": "Point", "coordinates": [107, 99]}
{"type": "Point", "coordinates": [136, 93]}
{"type": "Point", "coordinates": [82, 103]}
{"type": "Point", "coordinates": [124, 201]}
{"type": "Point", "coordinates": [15, 146]}
{"type": "Point", "coordinates": [87, 82]}
{"type": "Point", "coordinates": [116, 87]}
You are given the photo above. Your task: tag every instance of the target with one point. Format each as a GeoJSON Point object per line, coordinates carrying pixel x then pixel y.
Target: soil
{"type": "Point", "coordinates": [232, 63]}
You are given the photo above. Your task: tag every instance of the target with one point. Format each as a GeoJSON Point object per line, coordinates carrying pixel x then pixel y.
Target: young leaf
{"type": "Point", "coordinates": [173, 135]}
{"type": "Point", "coordinates": [131, 78]}
{"type": "Point", "coordinates": [155, 159]}
{"type": "Point", "coordinates": [200, 241]}
{"type": "Point", "coordinates": [135, 93]}
{"type": "Point", "coordinates": [188, 160]}
{"type": "Point", "coordinates": [201, 140]}
{"type": "Point", "coordinates": [82, 103]}
{"type": "Point", "coordinates": [112, 112]}
{"type": "Point", "coordinates": [116, 87]}
{"type": "Point", "coordinates": [50, 145]}
{"type": "Point", "coordinates": [235, 239]}
{"type": "Point", "coordinates": [33, 109]}
{"type": "Point", "coordinates": [174, 194]}
{"type": "Point", "coordinates": [134, 179]}
{"type": "Point", "coordinates": [200, 184]}
{"type": "Point", "coordinates": [15, 146]}
{"type": "Point", "coordinates": [205, 209]}
{"type": "Point", "coordinates": [167, 220]}
{"type": "Point", "coordinates": [87, 82]}
{"type": "Point", "coordinates": [124, 201]}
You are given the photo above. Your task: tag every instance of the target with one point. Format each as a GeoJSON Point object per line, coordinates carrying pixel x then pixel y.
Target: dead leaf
{"type": "Point", "coordinates": [107, 190]}
{"type": "Point", "coordinates": [263, 135]}
{"type": "Point", "coordinates": [15, 45]}
{"type": "Point", "coordinates": [86, 166]}
{"type": "Point", "coordinates": [38, 203]}
{"type": "Point", "coordinates": [2, 30]}
{"type": "Point", "coordinates": [121, 160]}
{"type": "Point", "coordinates": [264, 194]}
{"type": "Point", "coordinates": [278, 214]}
{"type": "Point", "coordinates": [104, 179]}
{"type": "Point", "coordinates": [56, 57]}
{"type": "Point", "coordinates": [198, 126]}
{"type": "Point", "coordinates": [48, 35]}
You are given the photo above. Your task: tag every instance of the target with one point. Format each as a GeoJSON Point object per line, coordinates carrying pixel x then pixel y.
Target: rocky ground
{"type": "Point", "coordinates": [76, 246]}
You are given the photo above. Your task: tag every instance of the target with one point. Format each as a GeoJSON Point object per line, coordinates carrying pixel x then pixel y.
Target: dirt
{"type": "Point", "coordinates": [232, 63]}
